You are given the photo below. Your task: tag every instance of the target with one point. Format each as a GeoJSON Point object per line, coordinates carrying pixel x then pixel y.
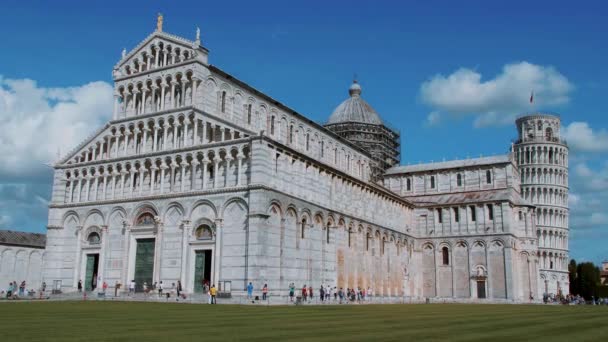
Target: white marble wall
{"type": "Point", "coordinates": [19, 264]}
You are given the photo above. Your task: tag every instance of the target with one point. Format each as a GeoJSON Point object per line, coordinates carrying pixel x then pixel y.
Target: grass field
{"type": "Point", "coordinates": [133, 321]}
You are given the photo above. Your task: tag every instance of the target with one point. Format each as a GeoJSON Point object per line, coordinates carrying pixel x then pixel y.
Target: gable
{"type": "Point", "coordinates": [157, 50]}
{"type": "Point", "coordinates": [92, 142]}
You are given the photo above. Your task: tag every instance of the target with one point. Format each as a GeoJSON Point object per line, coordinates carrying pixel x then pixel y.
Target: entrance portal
{"type": "Point", "coordinates": [144, 263]}
{"type": "Point", "coordinates": [481, 289]}
{"type": "Point", "coordinates": [202, 270]}
{"type": "Point", "coordinates": [90, 278]}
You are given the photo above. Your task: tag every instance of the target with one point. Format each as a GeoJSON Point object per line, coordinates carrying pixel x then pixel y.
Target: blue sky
{"type": "Point", "coordinates": [450, 77]}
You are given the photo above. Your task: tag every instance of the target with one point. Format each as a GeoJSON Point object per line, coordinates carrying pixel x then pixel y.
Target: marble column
{"type": "Point", "coordinates": [163, 167]}
{"type": "Point", "coordinates": [193, 165]}
{"type": "Point", "coordinates": [204, 173]}
{"type": "Point", "coordinates": [154, 149]}
{"type": "Point", "coordinates": [153, 169]}
{"type": "Point", "coordinates": [185, 229]}
{"type": "Point", "coordinates": [182, 182]}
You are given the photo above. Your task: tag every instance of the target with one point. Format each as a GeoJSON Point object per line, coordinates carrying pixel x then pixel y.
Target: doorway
{"type": "Point", "coordinates": [202, 269]}
{"type": "Point", "coordinates": [481, 289]}
{"type": "Point", "coordinates": [144, 263]}
{"type": "Point", "coordinates": [90, 278]}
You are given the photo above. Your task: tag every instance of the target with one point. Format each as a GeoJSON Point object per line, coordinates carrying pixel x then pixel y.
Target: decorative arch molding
{"type": "Point", "coordinates": [173, 215]}
{"type": "Point", "coordinates": [445, 244]}
{"type": "Point", "coordinates": [68, 215]}
{"type": "Point", "coordinates": [145, 207]}
{"type": "Point", "coordinates": [428, 246]}
{"type": "Point", "coordinates": [275, 206]}
{"type": "Point", "coordinates": [291, 211]}
{"type": "Point", "coordinates": [480, 272]}
{"type": "Point", "coordinates": [200, 224]}
{"type": "Point", "coordinates": [94, 217]}
{"type": "Point", "coordinates": [115, 211]}
{"type": "Point", "coordinates": [233, 200]}
{"type": "Point", "coordinates": [462, 244]}
{"type": "Point", "coordinates": [89, 232]}
{"type": "Point", "coordinates": [202, 204]}
{"type": "Point", "coordinates": [305, 215]}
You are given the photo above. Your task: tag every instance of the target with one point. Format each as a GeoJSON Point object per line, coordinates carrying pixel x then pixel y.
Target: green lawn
{"type": "Point", "coordinates": [131, 321]}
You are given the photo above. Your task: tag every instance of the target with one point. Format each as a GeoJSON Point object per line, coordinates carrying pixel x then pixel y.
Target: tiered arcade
{"type": "Point", "coordinates": [542, 158]}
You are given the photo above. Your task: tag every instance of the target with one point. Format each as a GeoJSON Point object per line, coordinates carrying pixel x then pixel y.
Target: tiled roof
{"type": "Point", "coordinates": [14, 238]}
{"type": "Point", "coordinates": [470, 197]}
{"type": "Point", "coordinates": [500, 159]}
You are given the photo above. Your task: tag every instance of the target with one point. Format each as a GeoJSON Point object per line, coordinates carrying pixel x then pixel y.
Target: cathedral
{"type": "Point", "coordinates": [202, 179]}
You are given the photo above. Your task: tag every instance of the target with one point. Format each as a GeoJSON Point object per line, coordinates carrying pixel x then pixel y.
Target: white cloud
{"type": "Point", "coordinates": [39, 122]}
{"type": "Point", "coordinates": [5, 221]}
{"type": "Point", "coordinates": [496, 101]}
{"type": "Point", "coordinates": [433, 119]}
{"type": "Point", "coordinates": [581, 137]}
{"type": "Point", "coordinates": [588, 198]}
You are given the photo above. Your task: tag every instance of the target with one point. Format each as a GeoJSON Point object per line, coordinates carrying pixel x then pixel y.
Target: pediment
{"type": "Point", "coordinates": [143, 56]}
{"type": "Point", "coordinates": [92, 141]}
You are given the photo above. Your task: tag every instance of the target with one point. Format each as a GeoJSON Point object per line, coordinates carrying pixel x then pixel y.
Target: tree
{"type": "Point", "coordinates": [584, 279]}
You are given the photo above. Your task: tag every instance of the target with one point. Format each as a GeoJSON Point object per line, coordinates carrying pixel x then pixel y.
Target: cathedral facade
{"type": "Point", "coordinates": [201, 178]}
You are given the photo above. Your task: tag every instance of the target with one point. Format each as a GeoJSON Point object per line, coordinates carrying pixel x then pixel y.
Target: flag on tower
{"type": "Point", "coordinates": [532, 97]}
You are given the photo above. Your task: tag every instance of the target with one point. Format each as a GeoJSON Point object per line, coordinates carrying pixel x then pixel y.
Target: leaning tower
{"type": "Point", "coordinates": [542, 158]}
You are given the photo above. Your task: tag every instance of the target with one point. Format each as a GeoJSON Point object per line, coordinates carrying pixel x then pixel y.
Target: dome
{"type": "Point", "coordinates": [355, 109]}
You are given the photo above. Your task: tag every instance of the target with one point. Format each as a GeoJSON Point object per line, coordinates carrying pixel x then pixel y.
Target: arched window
{"type": "Point", "coordinates": [488, 176]}
{"type": "Point", "coordinates": [223, 102]}
{"type": "Point", "coordinates": [490, 212]}
{"type": "Point", "coordinates": [432, 182]}
{"type": "Point", "coordinates": [291, 134]}
{"type": "Point", "coordinates": [439, 216]}
{"type": "Point", "coordinates": [203, 232]}
{"type": "Point", "coordinates": [473, 213]}
{"type": "Point", "coordinates": [549, 133]}
{"type": "Point", "coordinates": [350, 233]}
{"type": "Point", "coordinates": [408, 185]}
{"type": "Point", "coordinates": [94, 238]}
{"type": "Point", "coordinates": [272, 125]}
{"type": "Point", "coordinates": [322, 148]}
{"type": "Point", "coordinates": [327, 237]}
{"type": "Point", "coordinates": [307, 141]}
{"type": "Point", "coordinates": [459, 179]}
{"type": "Point", "coordinates": [249, 114]}
{"type": "Point", "coordinates": [303, 228]}
{"type": "Point", "coordinates": [456, 215]}
{"type": "Point", "coordinates": [445, 256]}
{"type": "Point", "coordinates": [540, 126]}
{"type": "Point", "coordinates": [367, 238]}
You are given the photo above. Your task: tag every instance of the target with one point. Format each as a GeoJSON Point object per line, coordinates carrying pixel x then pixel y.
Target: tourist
{"type": "Point", "coordinates": [213, 293]}
{"type": "Point", "coordinates": [179, 288]}
{"type": "Point", "coordinates": [335, 294]}
{"type": "Point", "coordinates": [22, 289]}
{"type": "Point", "coordinates": [43, 286]}
{"type": "Point", "coordinates": [322, 293]}
{"type": "Point", "coordinates": [369, 293]}
{"type": "Point", "coordinates": [341, 295]}
{"type": "Point", "coordinates": [304, 293]}
{"type": "Point", "coordinates": [79, 285]}
{"type": "Point", "coordinates": [132, 287]}
{"type": "Point", "coordinates": [9, 291]}
{"type": "Point", "coordinates": [310, 292]}
{"type": "Point", "coordinates": [328, 293]}
{"type": "Point", "coordinates": [116, 287]}
{"type": "Point", "coordinates": [160, 289]}
{"type": "Point", "coordinates": [292, 291]}
{"type": "Point", "coordinates": [104, 287]}
{"type": "Point", "coordinates": [264, 291]}
{"type": "Point", "coordinates": [146, 289]}
{"type": "Point", "coordinates": [363, 294]}
{"type": "Point", "coordinates": [250, 291]}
